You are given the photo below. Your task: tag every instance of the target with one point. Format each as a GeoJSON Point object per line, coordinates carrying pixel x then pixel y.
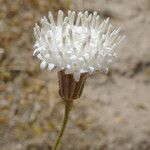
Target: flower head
{"type": "Point", "coordinates": [77, 46]}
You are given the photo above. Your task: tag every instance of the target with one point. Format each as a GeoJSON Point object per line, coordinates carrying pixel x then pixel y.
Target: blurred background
{"type": "Point", "coordinates": [114, 110]}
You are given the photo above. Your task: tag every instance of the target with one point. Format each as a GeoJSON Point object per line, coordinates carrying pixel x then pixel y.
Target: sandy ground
{"type": "Point", "coordinates": [114, 110]}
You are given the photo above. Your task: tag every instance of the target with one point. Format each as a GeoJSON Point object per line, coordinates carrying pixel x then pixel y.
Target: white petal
{"type": "Point", "coordinates": [40, 56]}
{"type": "Point", "coordinates": [72, 18]}
{"type": "Point", "coordinates": [93, 19]}
{"type": "Point", "coordinates": [91, 69]}
{"type": "Point", "coordinates": [60, 18]}
{"type": "Point", "coordinates": [43, 65]}
{"type": "Point", "coordinates": [78, 18]}
{"type": "Point", "coordinates": [35, 52]}
{"type": "Point", "coordinates": [76, 76]}
{"type": "Point", "coordinates": [51, 67]}
{"type": "Point", "coordinates": [51, 18]}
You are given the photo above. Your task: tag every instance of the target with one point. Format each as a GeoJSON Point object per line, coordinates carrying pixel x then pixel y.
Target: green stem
{"type": "Point", "coordinates": [68, 107]}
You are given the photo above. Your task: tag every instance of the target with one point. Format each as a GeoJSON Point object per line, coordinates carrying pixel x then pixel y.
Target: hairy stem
{"type": "Point", "coordinates": [68, 106]}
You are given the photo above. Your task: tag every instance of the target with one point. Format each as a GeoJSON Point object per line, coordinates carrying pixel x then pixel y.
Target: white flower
{"type": "Point", "coordinates": [82, 45]}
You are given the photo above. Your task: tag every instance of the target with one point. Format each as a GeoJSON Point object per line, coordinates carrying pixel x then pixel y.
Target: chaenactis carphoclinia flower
{"type": "Point", "coordinates": [76, 44]}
